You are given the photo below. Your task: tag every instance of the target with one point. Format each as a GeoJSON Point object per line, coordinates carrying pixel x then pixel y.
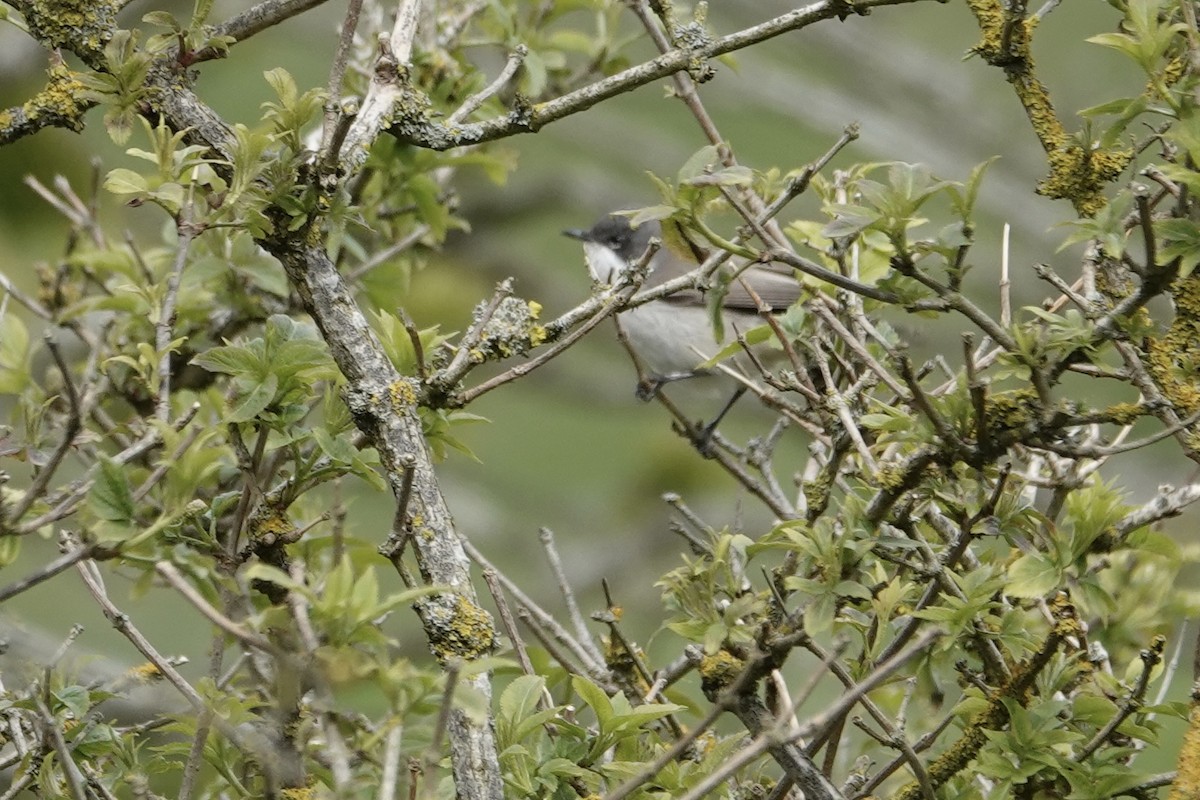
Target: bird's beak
{"type": "Point", "coordinates": [576, 233]}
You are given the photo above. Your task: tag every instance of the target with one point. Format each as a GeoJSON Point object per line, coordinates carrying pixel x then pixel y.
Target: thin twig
{"type": "Point", "coordinates": [406, 242]}
{"type": "Point", "coordinates": [582, 633]}
{"type": "Point", "coordinates": [1005, 284]}
{"type": "Point", "coordinates": [506, 620]}
{"type": "Point", "coordinates": [70, 770]}
{"type": "Point", "coordinates": [48, 571]}
{"type": "Point", "coordinates": [91, 579]}
{"type": "Point", "coordinates": [451, 670]}
{"type": "Point", "coordinates": [32, 305]}
{"type": "Point", "coordinates": [165, 325]}
{"type": "Point", "coordinates": [515, 59]}
{"type": "Point", "coordinates": [262, 16]}
{"type": "Point", "coordinates": [603, 306]}
{"type": "Point", "coordinates": [172, 575]}
{"type": "Point", "coordinates": [1151, 657]}
{"type": "Point", "coordinates": [597, 670]}
{"type": "Point", "coordinates": [404, 33]}
{"type": "Point", "coordinates": [73, 425]}
{"type": "Point", "coordinates": [390, 774]}
{"type": "Point", "coordinates": [337, 71]}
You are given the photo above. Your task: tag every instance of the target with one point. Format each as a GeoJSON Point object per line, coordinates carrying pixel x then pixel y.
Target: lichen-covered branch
{"type": "Point", "coordinates": [59, 105]}
{"type": "Point", "coordinates": [1077, 174]}
{"type": "Point", "coordinates": [384, 406]}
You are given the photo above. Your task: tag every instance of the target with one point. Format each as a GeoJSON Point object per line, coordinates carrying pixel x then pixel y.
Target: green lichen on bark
{"type": "Point", "coordinates": [1077, 173]}
{"type": "Point", "coordinates": [80, 26]}
{"type": "Point", "coordinates": [457, 628]}
{"type": "Point", "coordinates": [1174, 357]}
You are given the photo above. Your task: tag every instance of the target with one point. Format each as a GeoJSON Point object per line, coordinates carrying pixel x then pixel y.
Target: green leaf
{"type": "Point", "coordinates": [163, 19]}
{"type": "Point", "coordinates": [14, 354]}
{"type": "Point", "coordinates": [594, 697]}
{"type": "Point", "coordinates": [75, 699]}
{"type": "Point", "coordinates": [521, 697]}
{"type": "Point", "coordinates": [1032, 575]}
{"type": "Point", "coordinates": [535, 74]}
{"type": "Point", "coordinates": [256, 401]}
{"type": "Point", "coordinates": [261, 571]}
{"type": "Point", "coordinates": [1181, 239]}
{"type": "Point", "coordinates": [729, 176]}
{"type": "Point", "coordinates": [125, 181]}
{"type": "Point", "coordinates": [10, 550]}
{"type": "Point", "coordinates": [283, 84]}
{"type": "Point", "coordinates": [697, 164]}
{"type": "Point", "coordinates": [849, 220]}
{"type": "Point", "coordinates": [755, 336]}
{"type": "Point", "coordinates": [110, 497]}
{"type": "Point", "coordinates": [964, 200]}
{"type": "Point", "coordinates": [231, 360]}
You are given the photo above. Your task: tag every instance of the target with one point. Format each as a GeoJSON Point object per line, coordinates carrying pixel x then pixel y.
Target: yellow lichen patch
{"type": "Point", "coordinates": [1124, 413]}
{"type": "Point", "coordinates": [1067, 619]}
{"type": "Point", "coordinates": [1187, 781]}
{"type": "Point", "coordinates": [403, 392]}
{"type": "Point", "coordinates": [1076, 174]}
{"type": "Point", "coordinates": [1080, 175]}
{"type": "Point", "coordinates": [619, 659]}
{"type": "Point", "coordinates": [816, 491]}
{"type": "Point", "coordinates": [297, 793]}
{"type": "Point", "coordinates": [1174, 358]}
{"type": "Point", "coordinates": [82, 25]}
{"type": "Point", "coordinates": [457, 628]}
{"type": "Point", "coordinates": [270, 525]}
{"type": "Point", "coordinates": [1007, 411]}
{"type": "Point", "coordinates": [890, 477]}
{"type": "Point", "coordinates": [1175, 69]}
{"type": "Point", "coordinates": [719, 670]}
{"type": "Point", "coordinates": [62, 98]}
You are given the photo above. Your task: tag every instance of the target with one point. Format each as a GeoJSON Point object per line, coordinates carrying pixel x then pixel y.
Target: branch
{"type": "Point", "coordinates": [472, 103]}
{"type": "Point", "coordinates": [414, 125]}
{"type": "Point", "coordinates": [1169, 503]}
{"type": "Point", "coordinates": [384, 407]}
{"type": "Point", "coordinates": [59, 105]}
{"type": "Point", "coordinates": [63, 562]}
{"type": "Point", "coordinates": [262, 16]}
{"type": "Point", "coordinates": [1151, 658]}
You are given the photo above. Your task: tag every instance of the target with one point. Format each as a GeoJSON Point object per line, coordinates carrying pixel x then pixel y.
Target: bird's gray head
{"type": "Point", "coordinates": [615, 233]}
{"type": "Point", "coordinates": [612, 244]}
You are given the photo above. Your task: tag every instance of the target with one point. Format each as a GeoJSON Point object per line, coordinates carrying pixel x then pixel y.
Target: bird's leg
{"type": "Point", "coordinates": [649, 387]}
{"type": "Point", "coordinates": [703, 438]}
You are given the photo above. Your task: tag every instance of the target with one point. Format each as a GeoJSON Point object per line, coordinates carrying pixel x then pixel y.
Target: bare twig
{"type": "Point", "coordinates": [404, 33]}
{"type": "Point", "coordinates": [262, 16]}
{"type": "Point", "coordinates": [564, 588]}
{"type": "Point", "coordinates": [1005, 284]}
{"type": "Point", "coordinates": [48, 571]}
{"type": "Point", "coordinates": [390, 775]}
{"type": "Point", "coordinates": [172, 575]}
{"type": "Point", "coordinates": [70, 770]}
{"type": "Point", "coordinates": [337, 71]}
{"type": "Point", "coordinates": [472, 103]}
{"type": "Point", "coordinates": [164, 326]}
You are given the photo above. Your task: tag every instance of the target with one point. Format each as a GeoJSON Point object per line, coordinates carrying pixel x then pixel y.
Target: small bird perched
{"type": "Point", "coordinates": [674, 335]}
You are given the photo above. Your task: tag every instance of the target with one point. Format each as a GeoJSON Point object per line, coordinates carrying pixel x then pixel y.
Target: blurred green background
{"type": "Point", "coordinates": [570, 448]}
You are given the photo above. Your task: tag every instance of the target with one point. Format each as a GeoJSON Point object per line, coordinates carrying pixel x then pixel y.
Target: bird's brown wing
{"type": "Point", "coordinates": [777, 290]}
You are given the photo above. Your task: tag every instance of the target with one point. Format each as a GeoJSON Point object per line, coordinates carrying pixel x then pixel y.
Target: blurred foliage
{"type": "Point", "coordinates": [946, 555]}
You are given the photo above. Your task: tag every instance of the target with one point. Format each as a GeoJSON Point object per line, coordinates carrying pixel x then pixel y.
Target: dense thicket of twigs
{"type": "Point", "coordinates": [953, 602]}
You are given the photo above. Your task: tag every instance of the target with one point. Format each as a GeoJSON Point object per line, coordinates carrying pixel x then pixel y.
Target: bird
{"type": "Point", "coordinates": [674, 336]}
